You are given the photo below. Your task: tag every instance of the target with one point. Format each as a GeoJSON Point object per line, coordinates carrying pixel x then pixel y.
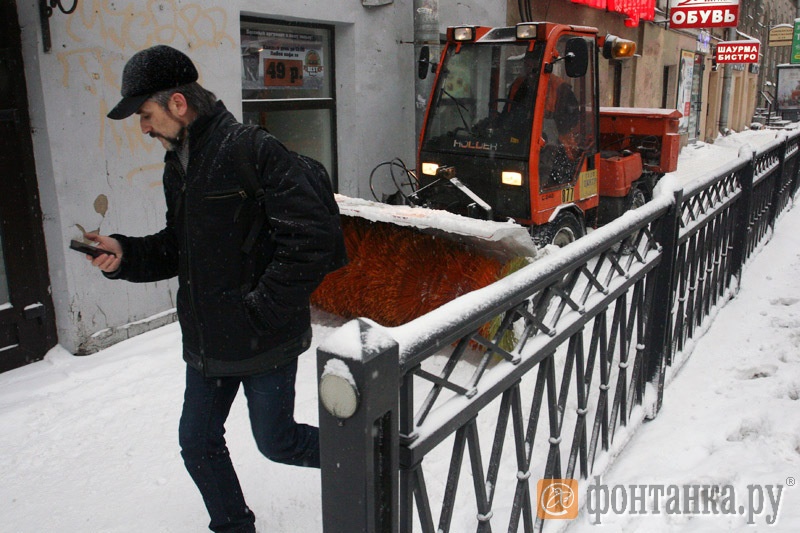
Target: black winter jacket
{"type": "Point", "coordinates": [240, 314]}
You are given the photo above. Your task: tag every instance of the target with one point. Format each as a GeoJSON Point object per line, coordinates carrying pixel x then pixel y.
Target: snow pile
{"type": "Point", "coordinates": [507, 239]}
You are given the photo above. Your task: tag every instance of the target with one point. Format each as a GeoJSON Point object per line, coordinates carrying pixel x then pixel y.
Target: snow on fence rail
{"type": "Point", "coordinates": [582, 343]}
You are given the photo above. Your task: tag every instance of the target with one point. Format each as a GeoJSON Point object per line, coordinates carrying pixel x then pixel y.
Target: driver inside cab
{"type": "Point", "coordinates": [562, 146]}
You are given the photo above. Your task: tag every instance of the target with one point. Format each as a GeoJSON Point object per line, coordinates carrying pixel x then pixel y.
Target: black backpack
{"type": "Point", "coordinates": [319, 179]}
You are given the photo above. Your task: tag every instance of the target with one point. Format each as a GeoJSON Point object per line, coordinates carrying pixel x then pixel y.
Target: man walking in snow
{"type": "Point", "coordinates": [244, 316]}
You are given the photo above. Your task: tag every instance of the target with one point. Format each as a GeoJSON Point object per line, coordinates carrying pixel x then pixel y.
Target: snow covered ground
{"type": "Point", "coordinates": [89, 444]}
{"type": "Point", "coordinates": [731, 416]}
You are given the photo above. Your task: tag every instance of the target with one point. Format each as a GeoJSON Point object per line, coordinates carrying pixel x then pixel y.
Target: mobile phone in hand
{"type": "Point", "coordinates": [94, 251]}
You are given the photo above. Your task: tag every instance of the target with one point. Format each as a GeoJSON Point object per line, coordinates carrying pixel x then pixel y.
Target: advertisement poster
{"type": "Point", "coordinates": [684, 103]}
{"type": "Point", "coordinates": [282, 60]}
{"type": "Point", "coordinates": [789, 88]}
{"type": "Point", "coordinates": [795, 57]}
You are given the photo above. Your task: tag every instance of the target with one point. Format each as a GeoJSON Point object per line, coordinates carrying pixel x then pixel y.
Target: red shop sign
{"type": "Point", "coordinates": [634, 10]}
{"type": "Point", "coordinates": [738, 52]}
{"type": "Point", "coordinates": [703, 13]}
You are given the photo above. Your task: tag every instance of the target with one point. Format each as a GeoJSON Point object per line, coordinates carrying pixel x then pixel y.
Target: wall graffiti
{"type": "Point", "coordinates": [123, 28]}
{"type": "Point", "coordinates": [138, 25]}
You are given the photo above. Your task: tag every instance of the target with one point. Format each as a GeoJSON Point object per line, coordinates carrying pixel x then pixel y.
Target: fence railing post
{"type": "Point", "coordinates": [778, 187]}
{"type": "Point", "coordinates": [659, 344]}
{"type": "Point", "coordinates": [744, 220]}
{"type": "Point", "coordinates": [358, 371]}
{"type": "Point", "coordinates": [795, 170]}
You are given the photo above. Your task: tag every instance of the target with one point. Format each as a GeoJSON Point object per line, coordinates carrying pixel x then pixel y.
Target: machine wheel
{"type": "Point", "coordinates": [636, 198]}
{"type": "Point", "coordinates": [565, 229]}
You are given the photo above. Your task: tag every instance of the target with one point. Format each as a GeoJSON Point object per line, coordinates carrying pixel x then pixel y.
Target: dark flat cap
{"type": "Point", "coordinates": [149, 71]}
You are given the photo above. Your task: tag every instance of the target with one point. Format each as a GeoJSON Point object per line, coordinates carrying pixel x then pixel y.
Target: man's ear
{"type": "Point", "coordinates": [178, 105]}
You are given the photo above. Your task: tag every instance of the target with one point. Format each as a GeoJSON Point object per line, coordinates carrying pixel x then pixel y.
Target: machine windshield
{"type": "Point", "coordinates": [483, 101]}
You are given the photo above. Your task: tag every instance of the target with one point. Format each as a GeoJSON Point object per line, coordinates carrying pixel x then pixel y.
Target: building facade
{"type": "Point", "coordinates": [676, 68]}
{"type": "Point", "coordinates": [334, 79]}
{"type": "Point", "coordinates": [352, 109]}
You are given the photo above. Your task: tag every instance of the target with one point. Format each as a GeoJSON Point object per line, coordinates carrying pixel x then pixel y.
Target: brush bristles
{"type": "Point", "coordinates": [397, 274]}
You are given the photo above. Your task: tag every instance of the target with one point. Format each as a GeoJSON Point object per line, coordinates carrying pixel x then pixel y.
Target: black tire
{"type": "Point", "coordinates": [636, 198]}
{"type": "Point", "coordinates": [565, 229]}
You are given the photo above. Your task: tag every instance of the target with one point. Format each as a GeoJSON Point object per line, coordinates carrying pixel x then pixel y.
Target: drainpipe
{"type": "Point", "coordinates": [426, 33]}
{"type": "Point", "coordinates": [730, 35]}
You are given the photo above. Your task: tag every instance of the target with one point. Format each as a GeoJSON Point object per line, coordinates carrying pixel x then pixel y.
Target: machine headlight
{"type": "Point", "coordinates": [464, 33]}
{"type": "Point", "coordinates": [430, 169]}
{"type": "Point", "coordinates": [512, 178]}
{"type": "Point", "coordinates": [616, 48]}
{"type": "Point", "coordinates": [526, 31]}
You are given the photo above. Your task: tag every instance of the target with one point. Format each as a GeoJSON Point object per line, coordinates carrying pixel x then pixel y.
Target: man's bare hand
{"type": "Point", "coordinates": [105, 262]}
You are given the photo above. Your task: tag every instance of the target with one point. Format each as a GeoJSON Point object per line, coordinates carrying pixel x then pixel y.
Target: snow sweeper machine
{"type": "Point", "coordinates": [515, 151]}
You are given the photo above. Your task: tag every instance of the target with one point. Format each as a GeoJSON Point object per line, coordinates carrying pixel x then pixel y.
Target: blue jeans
{"type": "Point", "coordinates": [270, 401]}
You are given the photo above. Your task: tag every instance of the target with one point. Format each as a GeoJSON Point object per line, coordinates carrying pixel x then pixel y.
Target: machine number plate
{"type": "Point", "coordinates": [588, 181]}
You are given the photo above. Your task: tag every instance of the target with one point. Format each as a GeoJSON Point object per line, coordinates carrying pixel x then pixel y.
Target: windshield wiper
{"type": "Point", "coordinates": [459, 107]}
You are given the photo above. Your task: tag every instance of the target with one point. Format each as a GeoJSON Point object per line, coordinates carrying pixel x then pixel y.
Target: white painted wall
{"type": "Point", "coordinates": [83, 158]}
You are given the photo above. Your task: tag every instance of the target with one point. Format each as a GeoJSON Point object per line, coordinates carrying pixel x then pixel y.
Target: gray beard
{"type": "Point", "coordinates": [175, 143]}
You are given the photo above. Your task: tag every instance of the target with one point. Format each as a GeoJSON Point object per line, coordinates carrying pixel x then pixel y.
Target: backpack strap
{"type": "Point", "coordinates": [318, 179]}
{"type": "Point", "coordinates": [247, 173]}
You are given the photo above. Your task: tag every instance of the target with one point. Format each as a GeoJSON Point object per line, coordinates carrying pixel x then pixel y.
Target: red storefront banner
{"type": "Point", "coordinates": [703, 13]}
{"type": "Point", "coordinates": [737, 52]}
{"type": "Point", "coordinates": [635, 10]}
{"type": "Point", "coordinates": [597, 4]}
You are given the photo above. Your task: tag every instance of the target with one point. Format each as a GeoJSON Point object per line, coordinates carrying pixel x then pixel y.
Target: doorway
{"type": "Point", "coordinates": [697, 97]}
{"type": "Point", "coordinates": [27, 318]}
{"type": "Point", "coordinates": [690, 91]}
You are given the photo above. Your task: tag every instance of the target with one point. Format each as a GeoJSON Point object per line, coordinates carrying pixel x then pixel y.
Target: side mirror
{"type": "Point", "coordinates": [577, 57]}
{"type": "Point", "coordinates": [424, 62]}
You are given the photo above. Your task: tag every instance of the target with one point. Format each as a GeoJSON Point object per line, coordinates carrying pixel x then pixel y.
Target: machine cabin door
{"type": "Point", "coordinates": [568, 125]}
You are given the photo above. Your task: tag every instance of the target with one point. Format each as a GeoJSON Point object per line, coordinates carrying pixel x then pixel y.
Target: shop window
{"type": "Point", "coordinates": [288, 85]}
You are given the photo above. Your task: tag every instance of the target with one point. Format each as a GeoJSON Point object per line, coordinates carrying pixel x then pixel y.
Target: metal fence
{"type": "Point", "coordinates": [442, 427]}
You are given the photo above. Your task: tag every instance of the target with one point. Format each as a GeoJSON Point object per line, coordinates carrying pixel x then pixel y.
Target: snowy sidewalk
{"type": "Point", "coordinates": [89, 444]}
{"type": "Point", "coordinates": [731, 416]}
